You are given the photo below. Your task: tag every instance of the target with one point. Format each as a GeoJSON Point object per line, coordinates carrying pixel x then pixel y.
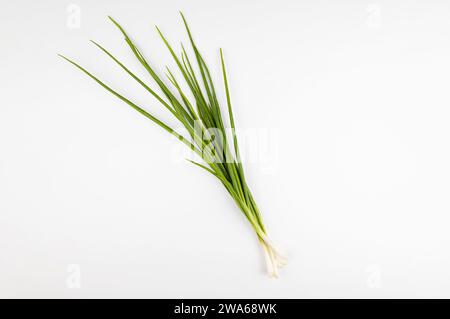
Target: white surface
{"type": "Point", "coordinates": [357, 91]}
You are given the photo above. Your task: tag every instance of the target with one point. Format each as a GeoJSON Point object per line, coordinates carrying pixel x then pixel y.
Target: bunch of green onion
{"type": "Point", "coordinates": [204, 124]}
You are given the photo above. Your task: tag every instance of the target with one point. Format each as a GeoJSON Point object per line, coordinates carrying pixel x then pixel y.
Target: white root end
{"type": "Point", "coordinates": [273, 257]}
{"type": "Point", "coordinates": [269, 263]}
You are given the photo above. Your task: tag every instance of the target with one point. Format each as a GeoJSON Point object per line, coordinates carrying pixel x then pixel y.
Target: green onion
{"type": "Point", "coordinates": [204, 124]}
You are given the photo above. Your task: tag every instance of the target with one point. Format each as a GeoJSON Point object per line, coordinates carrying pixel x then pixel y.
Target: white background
{"type": "Point", "coordinates": [358, 92]}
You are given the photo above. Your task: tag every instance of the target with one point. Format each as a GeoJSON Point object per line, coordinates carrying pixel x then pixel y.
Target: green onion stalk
{"type": "Point", "coordinates": [201, 117]}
